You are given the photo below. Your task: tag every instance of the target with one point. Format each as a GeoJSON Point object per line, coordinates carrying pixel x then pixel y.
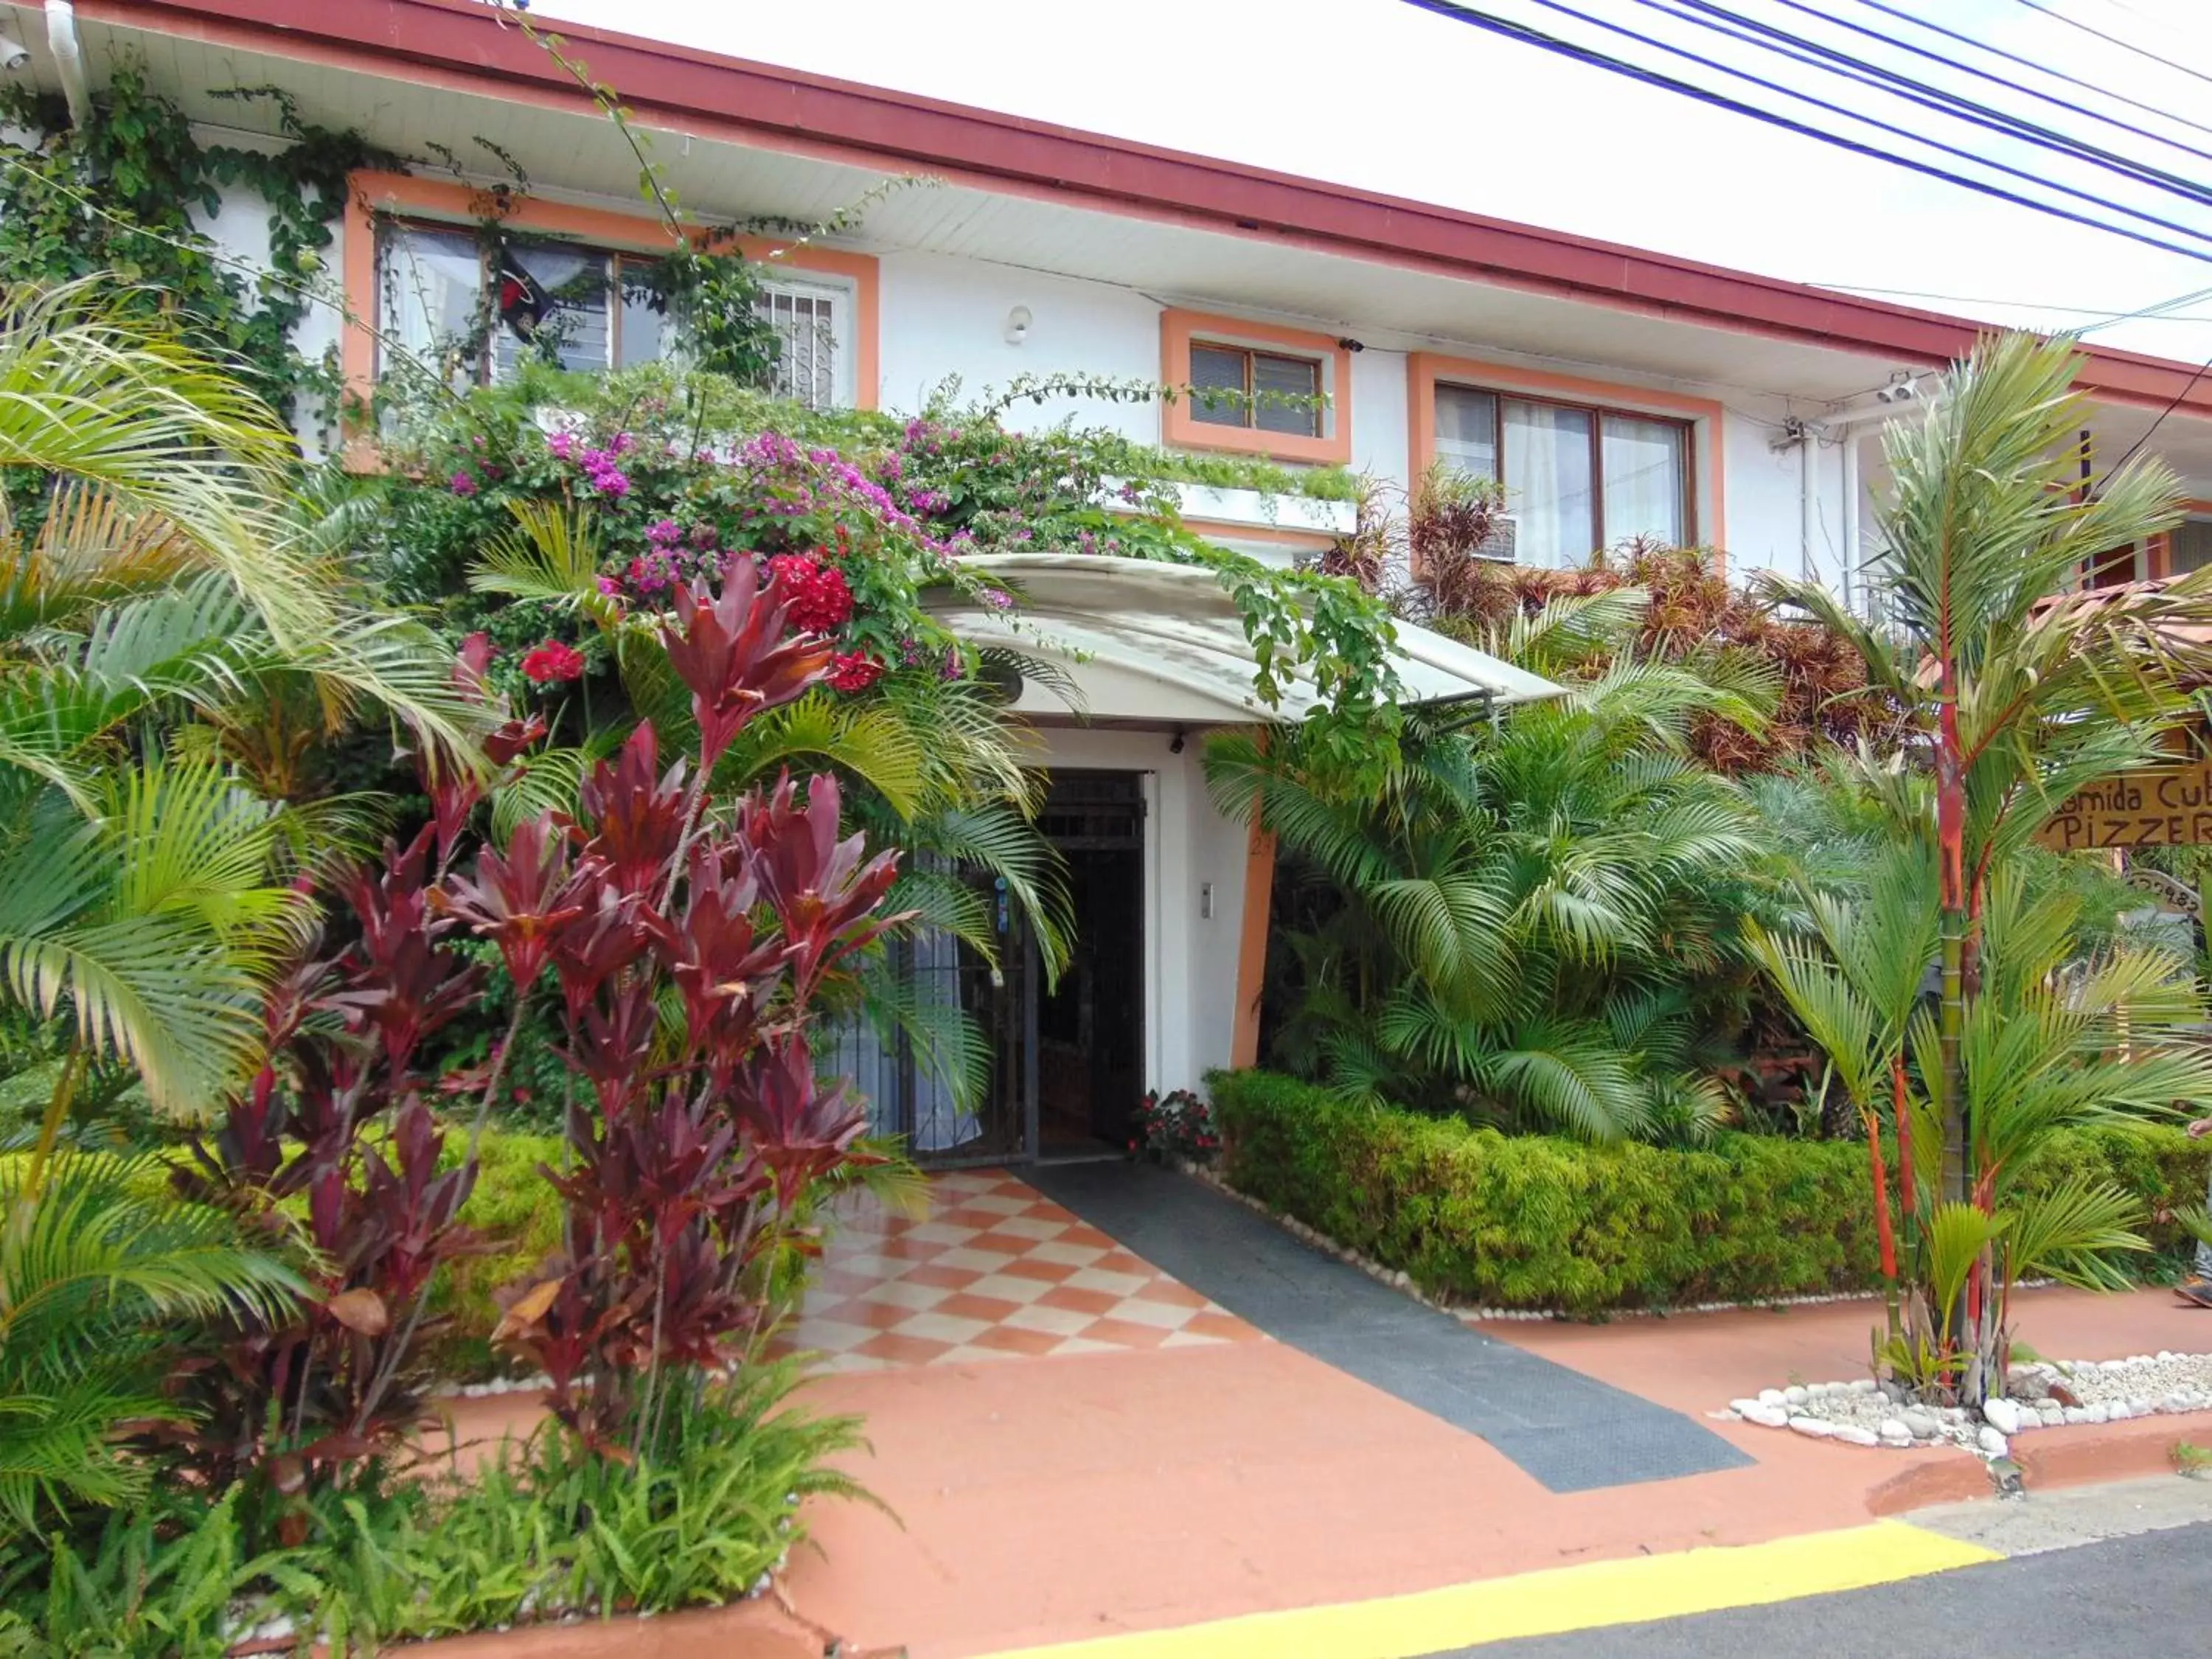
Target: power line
{"type": "Point", "coordinates": [2113, 40]}
{"type": "Point", "coordinates": [1830, 60]}
{"type": "Point", "coordinates": [2024, 62]}
{"type": "Point", "coordinates": [2156, 314]}
{"type": "Point", "coordinates": [1528, 34]}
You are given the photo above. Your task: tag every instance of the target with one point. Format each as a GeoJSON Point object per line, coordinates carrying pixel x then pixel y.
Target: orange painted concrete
{"type": "Point", "coordinates": [1062, 1499]}
{"type": "Point", "coordinates": [1047, 1500]}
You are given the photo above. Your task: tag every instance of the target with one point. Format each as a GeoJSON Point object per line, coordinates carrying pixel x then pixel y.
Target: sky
{"type": "Point", "coordinates": [1378, 94]}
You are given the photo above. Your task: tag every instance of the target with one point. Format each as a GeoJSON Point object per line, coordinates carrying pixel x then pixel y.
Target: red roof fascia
{"type": "Point", "coordinates": [680, 85]}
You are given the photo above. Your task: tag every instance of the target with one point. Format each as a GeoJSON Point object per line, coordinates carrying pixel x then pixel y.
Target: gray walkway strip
{"type": "Point", "coordinates": [1571, 1433]}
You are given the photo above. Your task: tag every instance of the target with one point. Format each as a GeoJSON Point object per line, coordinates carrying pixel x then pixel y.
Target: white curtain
{"type": "Point", "coordinates": [431, 281]}
{"type": "Point", "coordinates": [1643, 481]}
{"type": "Point", "coordinates": [1548, 484]}
{"type": "Point", "coordinates": [1467, 429]}
{"type": "Point", "coordinates": [940, 1125]}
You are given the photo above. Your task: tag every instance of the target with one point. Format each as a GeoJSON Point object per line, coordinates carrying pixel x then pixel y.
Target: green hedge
{"type": "Point", "coordinates": [1539, 1222]}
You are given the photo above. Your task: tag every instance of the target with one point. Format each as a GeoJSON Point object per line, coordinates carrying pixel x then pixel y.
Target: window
{"type": "Point", "coordinates": [2189, 546]}
{"type": "Point", "coordinates": [585, 305]}
{"type": "Point", "coordinates": [1577, 478]}
{"type": "Point", "coordinates": [813, 320]}
{"type": "Point", "coordinates": [1265, 391]}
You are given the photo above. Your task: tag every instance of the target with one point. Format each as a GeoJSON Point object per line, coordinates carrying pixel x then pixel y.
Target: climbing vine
{"type": "Point", "coordinates": [118, 194]}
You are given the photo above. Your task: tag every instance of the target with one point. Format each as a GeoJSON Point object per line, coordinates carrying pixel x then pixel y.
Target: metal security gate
{"type": "Point", "coordinates": [1065, 1065]}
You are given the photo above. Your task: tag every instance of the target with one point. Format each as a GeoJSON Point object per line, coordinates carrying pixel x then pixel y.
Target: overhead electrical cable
{"type": "Point", "coordinates": [2159, 313]}
{"type": "Point", "coordinates": [2053, 13]}
{"type": "Point", "coordinates": [2010, 57]}
{"type": "Point", "coordinates": [1530, 35]}
{"type": "Point", "coordinates": [1941, 99]}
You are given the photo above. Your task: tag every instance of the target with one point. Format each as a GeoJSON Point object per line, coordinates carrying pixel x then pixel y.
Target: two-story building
{"type": "Point", "coordinates": [1615, 393]}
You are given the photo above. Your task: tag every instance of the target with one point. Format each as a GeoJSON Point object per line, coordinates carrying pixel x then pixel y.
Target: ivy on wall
{"type": "Point", "coordinates": [118, 195]}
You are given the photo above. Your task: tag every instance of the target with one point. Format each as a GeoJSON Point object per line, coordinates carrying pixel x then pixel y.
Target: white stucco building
{"type": "Point", "coordinates": [1614, 391]}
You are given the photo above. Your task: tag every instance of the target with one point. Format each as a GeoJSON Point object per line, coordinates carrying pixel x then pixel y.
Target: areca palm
{"type": "Point", "coordinates": [91, 1274]}
{"type": "Point", "coordinates": [1526, 909]}
{"type": "Point", "coordinates": [154, 569]}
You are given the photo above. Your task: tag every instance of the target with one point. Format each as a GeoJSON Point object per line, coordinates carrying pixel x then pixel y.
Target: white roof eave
{"type": "Point", "coordinates": [1146, 639]}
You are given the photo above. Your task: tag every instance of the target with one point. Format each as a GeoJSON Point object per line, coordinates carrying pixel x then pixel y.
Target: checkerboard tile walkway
{"type": "Point", "coordinates": [995, 1271]}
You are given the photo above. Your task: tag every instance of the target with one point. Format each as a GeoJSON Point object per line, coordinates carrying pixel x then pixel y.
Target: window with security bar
{"type": "Point", "coordinates": [810, 321]}
{"type": "Point", "coordinates": [1264, 391]}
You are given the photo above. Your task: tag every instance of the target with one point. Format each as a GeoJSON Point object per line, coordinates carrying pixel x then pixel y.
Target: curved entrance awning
{"type": "Point", "coordinates": [1158, 643]}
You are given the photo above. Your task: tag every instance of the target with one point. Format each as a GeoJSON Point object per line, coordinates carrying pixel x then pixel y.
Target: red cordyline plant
{"type": "Point", "coordinates": [336, 1124]}
{"type": "Point", "coordinates": [686, 940]}
{"type": "Point", "coordinates": [689, 939]}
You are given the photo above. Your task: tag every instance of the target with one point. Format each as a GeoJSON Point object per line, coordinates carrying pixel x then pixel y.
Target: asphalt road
{"type": "Point", "coordinates": [2148, 1596]}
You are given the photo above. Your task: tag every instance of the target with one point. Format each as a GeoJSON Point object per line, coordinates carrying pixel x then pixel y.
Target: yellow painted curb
{"type": "Point", "coordinates": [1586, 1597]}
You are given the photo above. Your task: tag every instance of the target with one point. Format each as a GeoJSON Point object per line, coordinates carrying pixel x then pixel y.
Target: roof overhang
{"type": "Point", "coordinates": [1144, 643]}
{"type": "Point", "coordinates": [460, 47]}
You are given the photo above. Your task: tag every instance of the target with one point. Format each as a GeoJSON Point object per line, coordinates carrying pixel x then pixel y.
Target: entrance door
{"type": "Point", "coordinates": [1066, 1067]}
{"type": "Point", "coordinates": [1090, 1027]}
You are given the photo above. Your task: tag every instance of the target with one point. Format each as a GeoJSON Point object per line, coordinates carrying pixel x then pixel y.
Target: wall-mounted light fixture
{"type": "Point", "coordinates": [1175, 742]}
{"type": "Point", "coordinates": [1017, 325]}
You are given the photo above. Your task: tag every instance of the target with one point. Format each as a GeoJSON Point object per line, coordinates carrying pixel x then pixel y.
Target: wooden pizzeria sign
{"type": "Point", "coordinates": [2156, 806]}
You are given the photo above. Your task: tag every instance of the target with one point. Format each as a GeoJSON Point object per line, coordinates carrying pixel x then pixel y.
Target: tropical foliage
{"type": "Point", "coordinates": [1537, 924]}
{"type": "Point", "coordinates": [2015, 699]}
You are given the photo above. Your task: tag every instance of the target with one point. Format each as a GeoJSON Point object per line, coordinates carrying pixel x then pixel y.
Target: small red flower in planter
{"type": "Point", "coordinates": [854, 671]}
{"type": "Point", "coordinates": [553, 660]}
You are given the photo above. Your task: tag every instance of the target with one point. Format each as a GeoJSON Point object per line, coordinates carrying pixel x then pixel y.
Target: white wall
{"type": "Point", "coordinates": [240, 227]}
{"type": "Point", "coordinates": [943, 316]}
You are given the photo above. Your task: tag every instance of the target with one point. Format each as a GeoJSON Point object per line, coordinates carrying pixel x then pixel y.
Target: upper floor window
{"type": "Point", "coordinates": [476, 313]}
{"type": "Point", "coordinates": [814, 322]}
{"type": "Point", "coordinates": [1265, 391]}
{"type": "Point", "coordinates": [1577, 477]}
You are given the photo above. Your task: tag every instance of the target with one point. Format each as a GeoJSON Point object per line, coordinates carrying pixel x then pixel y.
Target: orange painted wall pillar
{"type": "Point", "coordinates": [1252, 944]}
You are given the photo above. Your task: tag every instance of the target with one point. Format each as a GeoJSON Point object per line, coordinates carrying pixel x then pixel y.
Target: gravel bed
{"type": "Point", "coordinates": [2044, 1395]}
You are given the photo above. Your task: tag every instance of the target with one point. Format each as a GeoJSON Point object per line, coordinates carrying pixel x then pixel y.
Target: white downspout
{"type": "Point", "coordinates": [1806, 481]}
{"type": "Point", "coordinates": [69, 59]}
{"type": "Point", "coordinates": [1850, 518]}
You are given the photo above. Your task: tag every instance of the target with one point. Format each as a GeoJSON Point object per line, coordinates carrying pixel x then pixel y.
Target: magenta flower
{"type": "Point", "coordinates": [463, 484]}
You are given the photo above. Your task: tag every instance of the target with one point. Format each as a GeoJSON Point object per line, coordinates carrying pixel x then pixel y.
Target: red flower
{"type": "Point", "coordinates": [817, 598]}
{"type": "Point", "coordinates": [854, 671]}
{"type": "Point", "coordinates": [553, 660]}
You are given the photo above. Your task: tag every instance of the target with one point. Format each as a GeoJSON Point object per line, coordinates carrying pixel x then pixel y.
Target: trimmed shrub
{"type": "Point", "coordinates": [1543, 1223]}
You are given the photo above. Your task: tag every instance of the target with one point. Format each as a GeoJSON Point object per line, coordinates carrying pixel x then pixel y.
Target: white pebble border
{"type": "Point", "coordinates": [2037, 1396]}
{"type": "Point", "coordinates": [1399, 1280]}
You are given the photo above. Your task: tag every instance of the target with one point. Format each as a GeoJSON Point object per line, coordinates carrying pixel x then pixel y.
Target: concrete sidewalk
{"type": "Point", "coordinates": [1060, 1499]}
{"type": "Point", "coordinates": [1112, 1488]}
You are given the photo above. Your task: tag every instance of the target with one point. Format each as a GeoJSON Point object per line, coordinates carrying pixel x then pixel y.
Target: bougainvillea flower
{"type": "Point", "coordinates": [854, 671]}
{"type": "Point", "coordinates": [553, 660]}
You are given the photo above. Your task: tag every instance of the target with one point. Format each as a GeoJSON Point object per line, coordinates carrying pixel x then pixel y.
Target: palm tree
{"type": "Point", "coordinates": [2015, 699]}
{"type": "Point", "coordinates": [1530, 915]}
{"type": "Point", "coordinates": [95, 1271]}
{"type": "Point", "coordinates": [154, 568]}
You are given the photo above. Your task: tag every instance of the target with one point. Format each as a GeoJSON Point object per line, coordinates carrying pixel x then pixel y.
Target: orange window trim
{"type": "Point", "coordinates": [1180, 430]}
{"type": "Point", "coordinates": [1426, 370]}
{"type": "Point", "coordinates": [2158, 564]}
{"type": "Point", "coordinates": [373, 193]}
